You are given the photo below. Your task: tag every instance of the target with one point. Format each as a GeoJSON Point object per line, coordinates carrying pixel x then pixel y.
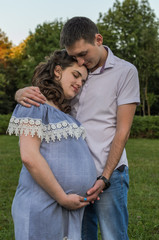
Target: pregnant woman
{"type": "Point", "coordinates": [57, 166]}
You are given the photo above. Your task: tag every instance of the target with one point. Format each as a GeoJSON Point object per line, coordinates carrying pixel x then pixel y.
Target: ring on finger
{"type": "Point", "coordinates": [24, 99]}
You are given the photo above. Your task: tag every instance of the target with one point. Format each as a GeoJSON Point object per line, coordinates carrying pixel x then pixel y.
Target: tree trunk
{"type": "Point", "coordinates": [143, 102]}
{"type": "Point", "coordinates": [146, 98]}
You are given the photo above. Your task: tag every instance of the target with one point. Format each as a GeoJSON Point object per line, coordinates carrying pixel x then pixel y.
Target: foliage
{"type": "Point", "coordinates": [145, 127]}
{"type": "Point", "coordinates": [17, 68]}
{"type": "Point", "coordinates": [131, 30]}
{"type": "Point", "coordinates": [8, 81]}
{"type": "Point", "coordinates": [9, 77]}
{"type": "Point", "coordinates": [44, 41]}
{"type": "Point", "coordinates": [5, 46]}
{"type": "Point", "coordinates": [39, 45]}
{"type": "Point", "coordinates": [6, 104]}
{"type": "Point", "coordinates": [4, 121]}
{"type": "Point", "coordinates": [142, 127]}
{"type": "Point", "coordinates": [142, 197]}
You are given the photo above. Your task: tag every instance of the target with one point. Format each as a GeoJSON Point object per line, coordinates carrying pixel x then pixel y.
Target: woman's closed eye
{"type": "Point", "coordinates": [76, 75]}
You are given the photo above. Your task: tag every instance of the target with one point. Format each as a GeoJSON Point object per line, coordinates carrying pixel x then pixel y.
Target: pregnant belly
{"type": "Point", "coordinates": [78, 183]}
{"type": "Point", "coordinates": [72, 165]}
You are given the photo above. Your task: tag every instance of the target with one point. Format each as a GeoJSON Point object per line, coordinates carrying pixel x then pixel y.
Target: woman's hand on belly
{"type": "Point", "coordinates": [73, 202]}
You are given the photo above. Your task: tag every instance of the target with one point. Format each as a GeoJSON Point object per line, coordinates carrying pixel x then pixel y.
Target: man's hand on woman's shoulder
{"type": "Point", "coordinates": [30, 96]}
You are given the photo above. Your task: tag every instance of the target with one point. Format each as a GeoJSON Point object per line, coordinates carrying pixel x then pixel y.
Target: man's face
{"type": "Point", "coordinates": [90, 55]}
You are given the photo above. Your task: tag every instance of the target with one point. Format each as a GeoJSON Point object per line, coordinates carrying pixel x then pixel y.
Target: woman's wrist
{"type": "Point", "coordinates": [62, 199]}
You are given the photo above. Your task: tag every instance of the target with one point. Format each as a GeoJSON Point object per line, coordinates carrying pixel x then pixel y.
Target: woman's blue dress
{"type": "Point", "coordinates": [36, 215]}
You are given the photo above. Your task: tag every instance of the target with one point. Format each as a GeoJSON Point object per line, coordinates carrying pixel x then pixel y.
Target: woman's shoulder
{"type": "Point", "coordinates": [48, 122]}
{"type": "Point", "coordinates": [21, 111]}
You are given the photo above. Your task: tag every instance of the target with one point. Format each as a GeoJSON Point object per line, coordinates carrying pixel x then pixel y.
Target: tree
{"type": "Point", "coordinates": [148, 60]}
{"type": "Point", "coordinates": [39, 45]}
{"type": "Point", "coordinates": [5, 103]}
{"type": "Point", "coordinates": [44, 41]}
{"type": "Point", "coordinates": [19, 62]}
{"type": "Point", "coordinates": [131, 30]}
{"type": "Point", "coordinates": [5, 46]}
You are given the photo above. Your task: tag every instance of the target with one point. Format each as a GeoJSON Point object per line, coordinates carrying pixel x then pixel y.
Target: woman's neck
{"type": "Point", "coordinates": [52, 104]}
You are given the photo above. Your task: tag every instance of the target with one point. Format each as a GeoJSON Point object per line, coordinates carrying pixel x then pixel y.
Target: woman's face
{"type": "Point", "coordinates": [72, 79]}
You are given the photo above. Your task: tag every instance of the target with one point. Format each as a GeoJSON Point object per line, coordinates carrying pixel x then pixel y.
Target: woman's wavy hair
{"type": "Point", "coordinates": [44, 78]}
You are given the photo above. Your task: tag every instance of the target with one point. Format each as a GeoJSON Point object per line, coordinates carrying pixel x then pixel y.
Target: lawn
{"type": "Point", "coordinates": [143, 155]}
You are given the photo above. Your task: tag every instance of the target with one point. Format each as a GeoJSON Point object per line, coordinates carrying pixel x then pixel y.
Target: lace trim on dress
{"type": "Point", "coordinates": [48, 132]}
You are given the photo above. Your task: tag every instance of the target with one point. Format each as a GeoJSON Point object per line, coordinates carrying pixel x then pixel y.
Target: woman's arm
{"type": "Point", "coordinates": [29, 96]}
{"type": "Point", "coordinates": [42, 174]}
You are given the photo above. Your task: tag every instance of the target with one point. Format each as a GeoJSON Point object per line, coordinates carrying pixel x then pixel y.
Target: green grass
{"type": "Point", "coordinates": [10, 165]}
{"type": "Point", "coordinates": [143, 197]}
{"type": "Point", "coordinates": [143, 155]}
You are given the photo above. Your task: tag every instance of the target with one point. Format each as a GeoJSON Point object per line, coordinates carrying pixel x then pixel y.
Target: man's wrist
{"type": "Point", "coordinates": [105, 180]}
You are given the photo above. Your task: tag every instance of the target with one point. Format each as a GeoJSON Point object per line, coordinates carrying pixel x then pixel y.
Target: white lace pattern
{"type": "Point", "coordinates": [48, 132]}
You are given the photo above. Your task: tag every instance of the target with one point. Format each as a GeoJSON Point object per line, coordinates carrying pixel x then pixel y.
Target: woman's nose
{"type": "Point", "coordinates": [79, 83]}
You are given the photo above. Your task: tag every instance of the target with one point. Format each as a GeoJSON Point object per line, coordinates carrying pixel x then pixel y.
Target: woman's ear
{"type": "Point", "coordinates": [58, 72]}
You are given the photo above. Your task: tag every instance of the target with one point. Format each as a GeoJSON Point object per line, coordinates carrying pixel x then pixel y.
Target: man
{"type": "Point", "coordinates": [105, 107]}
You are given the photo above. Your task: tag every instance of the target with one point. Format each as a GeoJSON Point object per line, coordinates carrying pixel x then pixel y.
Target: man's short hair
{"type": "Point", "coordinates": [78, 28]}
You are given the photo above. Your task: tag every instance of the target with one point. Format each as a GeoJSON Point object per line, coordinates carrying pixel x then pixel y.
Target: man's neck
{"type": "Point", "coordinates": [102, 60]}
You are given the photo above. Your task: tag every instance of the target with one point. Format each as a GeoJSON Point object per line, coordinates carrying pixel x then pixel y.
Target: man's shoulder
{"type": "Point", "coordinates": [124, 64]}
{"type": "Point", "coordinates": [118, 61]}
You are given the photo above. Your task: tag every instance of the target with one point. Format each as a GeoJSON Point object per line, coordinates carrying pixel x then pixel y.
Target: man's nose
{"type": "Point", "coordinates": [80, 61]}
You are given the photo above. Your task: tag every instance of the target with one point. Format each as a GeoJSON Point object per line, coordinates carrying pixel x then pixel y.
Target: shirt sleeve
{"type": "Point", "coordinates": [128, 86]}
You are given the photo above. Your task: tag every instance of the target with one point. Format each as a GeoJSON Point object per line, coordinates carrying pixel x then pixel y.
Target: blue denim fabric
{"type": "Point", "coordinates": [111, 211]}
{"type": "Point", "coordinates": [89, 224]}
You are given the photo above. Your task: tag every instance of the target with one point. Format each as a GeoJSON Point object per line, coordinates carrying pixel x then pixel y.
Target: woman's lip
{"type": "Point", "coordinates": [75, 89]}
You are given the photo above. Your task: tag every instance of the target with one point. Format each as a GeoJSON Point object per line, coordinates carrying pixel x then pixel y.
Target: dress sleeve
{"type": "Point", "coordinates": [27, 121]}
{"type": "Point", "coordinates": [45, 122]}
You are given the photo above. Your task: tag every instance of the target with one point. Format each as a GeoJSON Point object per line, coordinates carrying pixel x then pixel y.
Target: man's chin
{"type": "Point", "coordinates": [88, 66]}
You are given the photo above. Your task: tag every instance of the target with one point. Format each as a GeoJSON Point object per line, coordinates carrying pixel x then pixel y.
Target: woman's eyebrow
{"type": "Point", "coordinates": [78, 72]}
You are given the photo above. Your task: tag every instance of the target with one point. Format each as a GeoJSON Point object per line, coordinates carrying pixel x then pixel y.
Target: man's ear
{"type": "Point", "coordinates": [99, 39]}
{"type": "Point", "coordinates": [58, 72]}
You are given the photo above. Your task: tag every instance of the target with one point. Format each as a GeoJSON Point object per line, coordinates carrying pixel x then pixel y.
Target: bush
{"type": "Point", "coordinates": [4, 121]}
{"type": "Point", "coordinates": [145, 127]}
{"type": "Point", "coordinates": [142, 127]}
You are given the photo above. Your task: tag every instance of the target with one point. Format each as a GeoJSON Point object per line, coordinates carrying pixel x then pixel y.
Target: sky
{"type": "Point", "coordinates": [18, 17]}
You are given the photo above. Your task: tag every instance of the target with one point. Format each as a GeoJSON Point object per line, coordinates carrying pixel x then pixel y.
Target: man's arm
{"type": "Point", "coordinates": [125, 114]}
{"type": "Point", "coordinates": [30, 96]}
